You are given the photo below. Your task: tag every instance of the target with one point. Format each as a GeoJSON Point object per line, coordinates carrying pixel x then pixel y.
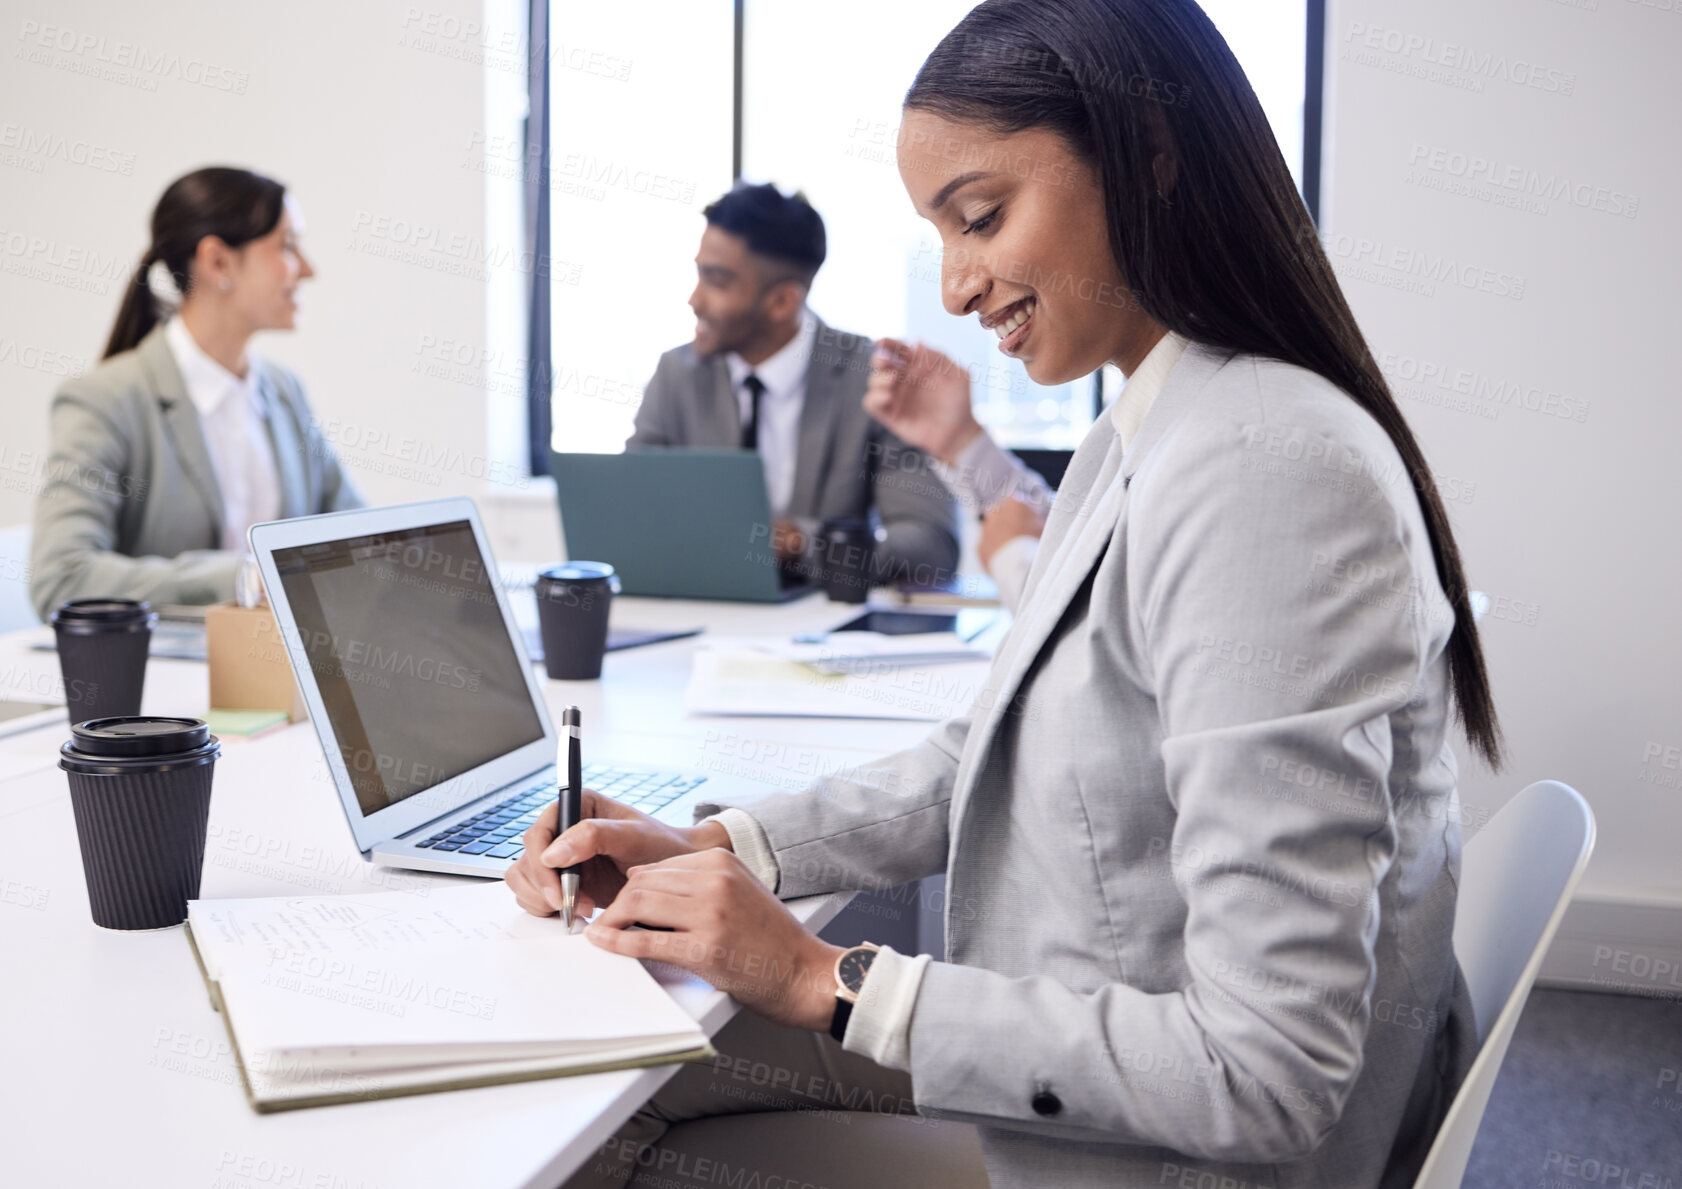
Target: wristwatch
{"type": "Point", "coordinates": [850, 971]}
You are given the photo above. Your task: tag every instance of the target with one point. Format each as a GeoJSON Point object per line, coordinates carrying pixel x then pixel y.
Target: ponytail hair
{"type": "Point", "coordinates": [235, 205]}
{"type": "Point", "coordinates": [1232, 259]}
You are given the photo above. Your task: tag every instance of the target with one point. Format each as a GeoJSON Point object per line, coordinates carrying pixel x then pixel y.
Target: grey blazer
{"type": "Point", "coordinates": [131, 506]}
{"type": "Point", "coordinates": [847, 461]}
{"type": "Point", "coordinates": [1200, 829]}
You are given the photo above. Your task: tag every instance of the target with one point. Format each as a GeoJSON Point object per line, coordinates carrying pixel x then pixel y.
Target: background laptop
{"type": "Point", "coordinates": [429, 712]}
{"type": "Point", "coordinates": [674, 522]}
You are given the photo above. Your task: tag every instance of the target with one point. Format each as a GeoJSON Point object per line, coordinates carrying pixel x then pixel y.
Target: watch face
{"type": "Point", "coordinates": [852, 967]}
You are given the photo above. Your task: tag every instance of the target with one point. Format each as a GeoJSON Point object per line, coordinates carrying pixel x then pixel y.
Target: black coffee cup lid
{"type": "Point", "coordinates": [139, 736]}
{"type": "Point", "coordinates": [578, 571]}
{"type": "Point", "coordinates": [100, 611]}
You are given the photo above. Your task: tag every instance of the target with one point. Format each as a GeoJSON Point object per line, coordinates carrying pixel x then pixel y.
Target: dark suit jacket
{"type": "Point", "coordinates": [131, 507]}
{"type": "Point", "coordinates": [847, 462]}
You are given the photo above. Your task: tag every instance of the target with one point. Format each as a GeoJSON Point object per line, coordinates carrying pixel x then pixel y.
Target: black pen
{"type": "Point", "coordinates": [571, 809]}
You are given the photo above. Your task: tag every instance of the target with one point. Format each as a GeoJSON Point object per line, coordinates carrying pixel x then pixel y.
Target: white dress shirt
{"type": "Point", "coordinates": [880, 1026]}
{"type": "Point", "coordinates": [236, 431]}
{"type": "Point", "coordinates": [985, 474]}
{"type": "Point", "coordinates": [784, 377]}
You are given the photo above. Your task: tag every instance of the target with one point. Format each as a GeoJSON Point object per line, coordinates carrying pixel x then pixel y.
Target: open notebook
{"type": "Point", "coordinates": [342, 998]}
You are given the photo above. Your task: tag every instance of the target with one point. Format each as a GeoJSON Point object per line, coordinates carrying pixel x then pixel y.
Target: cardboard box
{"type": "Point", "coordinates": [249, 668]}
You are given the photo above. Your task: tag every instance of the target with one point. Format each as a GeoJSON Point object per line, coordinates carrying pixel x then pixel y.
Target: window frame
{"type": "Point", "coordinates": [540, 368]}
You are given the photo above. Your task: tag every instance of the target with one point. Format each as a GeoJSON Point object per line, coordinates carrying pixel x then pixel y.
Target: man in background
{"type": "Point", "coordinates": [764, 373]}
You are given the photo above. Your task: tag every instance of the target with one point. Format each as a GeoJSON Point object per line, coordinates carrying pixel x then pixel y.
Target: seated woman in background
{"type": "Point", "coordinates": [180, 440]}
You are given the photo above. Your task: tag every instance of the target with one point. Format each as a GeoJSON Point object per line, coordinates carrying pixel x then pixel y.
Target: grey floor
{"type": "Point", "coordinates": [1589, 1096]}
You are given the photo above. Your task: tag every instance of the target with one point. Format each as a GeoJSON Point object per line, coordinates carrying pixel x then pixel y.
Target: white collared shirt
{"type": "Point", "coordinates": [985, 474]}
{"type": "Point", "coordinates": [236, 431]}
{"type": "Point", "coordinates": [1140, 391]}
{"type": "Point", "coordinates": [784, 377]}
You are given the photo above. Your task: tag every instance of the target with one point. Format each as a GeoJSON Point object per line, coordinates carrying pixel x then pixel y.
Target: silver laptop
{"type": "Point", "coordinates": [675, 522]}
{"type": "Point", "coordinates": [430, 714]}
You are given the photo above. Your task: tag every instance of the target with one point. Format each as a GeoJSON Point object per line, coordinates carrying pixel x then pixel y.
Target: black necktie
{"type": "Point", "coordinates": [750, 429]}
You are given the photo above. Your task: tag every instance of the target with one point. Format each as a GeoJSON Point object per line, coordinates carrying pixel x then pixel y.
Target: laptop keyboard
{"type": "Point", "coordinates": [498, 832]}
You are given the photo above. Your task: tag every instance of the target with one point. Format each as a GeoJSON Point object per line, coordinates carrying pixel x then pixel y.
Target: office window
{"type": "Point", "coordinates": [641, 112]}
{"type": "Point", "coordinates": [819, 111]}
{"type": "Point", "coordinates": [1268, 39]}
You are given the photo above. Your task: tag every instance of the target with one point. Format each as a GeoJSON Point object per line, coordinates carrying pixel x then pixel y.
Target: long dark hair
{"type": "Point", "coordinates": [235, 205]}
{"type": "Point", "coordinates": [1230, 256]}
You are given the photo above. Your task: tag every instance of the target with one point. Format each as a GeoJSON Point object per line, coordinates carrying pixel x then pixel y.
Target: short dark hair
{"type": "Point", "coordinates": [780, 227]}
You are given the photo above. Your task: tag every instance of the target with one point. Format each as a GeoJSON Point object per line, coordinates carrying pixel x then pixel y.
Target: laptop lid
{"type": "Point", "coordinates": [408, 656]}
{"type": "Point", "coordinates": [673, 522]}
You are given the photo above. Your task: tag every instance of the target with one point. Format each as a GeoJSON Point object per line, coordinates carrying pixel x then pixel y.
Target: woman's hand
{"type": "Point", "coordinates": [727, 928]}
{"type": "Point", "coordinates": [923, 397]}
{"type": "Point", "coordinates": [611, 838]}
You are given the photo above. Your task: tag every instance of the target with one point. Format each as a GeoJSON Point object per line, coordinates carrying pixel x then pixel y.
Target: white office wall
{"type": "Point", "coordinates": [375, 115]}
{"type": "Point", "coordinates": [1502, 205]}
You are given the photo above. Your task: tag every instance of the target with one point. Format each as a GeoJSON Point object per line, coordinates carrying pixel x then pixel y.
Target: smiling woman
{"type": "Point", "coordinates": [1025, 245]}
{"type": "Point", "coordinates": [1197, 206]}
{"type": "Point", "coordinates": [1164, 962]}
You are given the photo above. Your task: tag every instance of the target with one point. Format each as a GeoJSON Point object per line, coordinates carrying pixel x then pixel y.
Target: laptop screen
{"type": "Point", "coordinates": [411, 655]}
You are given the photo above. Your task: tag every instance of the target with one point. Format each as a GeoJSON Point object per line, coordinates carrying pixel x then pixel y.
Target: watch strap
{"type": "Point", "coordinates": [838, 1022]}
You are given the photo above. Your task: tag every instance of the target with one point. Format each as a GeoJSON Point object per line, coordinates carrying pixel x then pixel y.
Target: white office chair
{"type": "Point", "coordinates": [1516, 879]}
{"type": "Point", "coordinates": [16, 611]}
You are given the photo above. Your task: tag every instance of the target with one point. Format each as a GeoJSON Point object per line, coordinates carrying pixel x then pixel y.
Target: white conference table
{"type": "Point", "coordinates": [115, 1068]}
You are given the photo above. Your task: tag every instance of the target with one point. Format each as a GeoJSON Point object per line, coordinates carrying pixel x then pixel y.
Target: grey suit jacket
{"type": "Point", "coordinates": [847, 462]}
{"type": "Point", "coordinates": [1200, 828]}
{"type": "Point", "coordinates": [131, 506]}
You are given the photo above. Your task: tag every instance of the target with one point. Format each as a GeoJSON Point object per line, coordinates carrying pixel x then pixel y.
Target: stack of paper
{"type": "Point", "coordinates": [845, 675]}
{"type": "Point", "coordinates": [869, 652]}
{"type": "Point", "coordinates": [339, 998]}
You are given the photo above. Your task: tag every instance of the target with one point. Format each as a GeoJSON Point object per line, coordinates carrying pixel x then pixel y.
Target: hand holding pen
{"type": "Point", "coordinates": [608, 839]}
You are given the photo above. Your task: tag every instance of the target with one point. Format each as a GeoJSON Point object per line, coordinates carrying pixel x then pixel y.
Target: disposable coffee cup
{"type": "Point", "coordinates": [140, 788]}
{"type": "Point", "coordinates": [102, 646]}
{"type": "Point", "coordinates": [846, 558]}
{"type": "Point", "coordinates": [573, 601]}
